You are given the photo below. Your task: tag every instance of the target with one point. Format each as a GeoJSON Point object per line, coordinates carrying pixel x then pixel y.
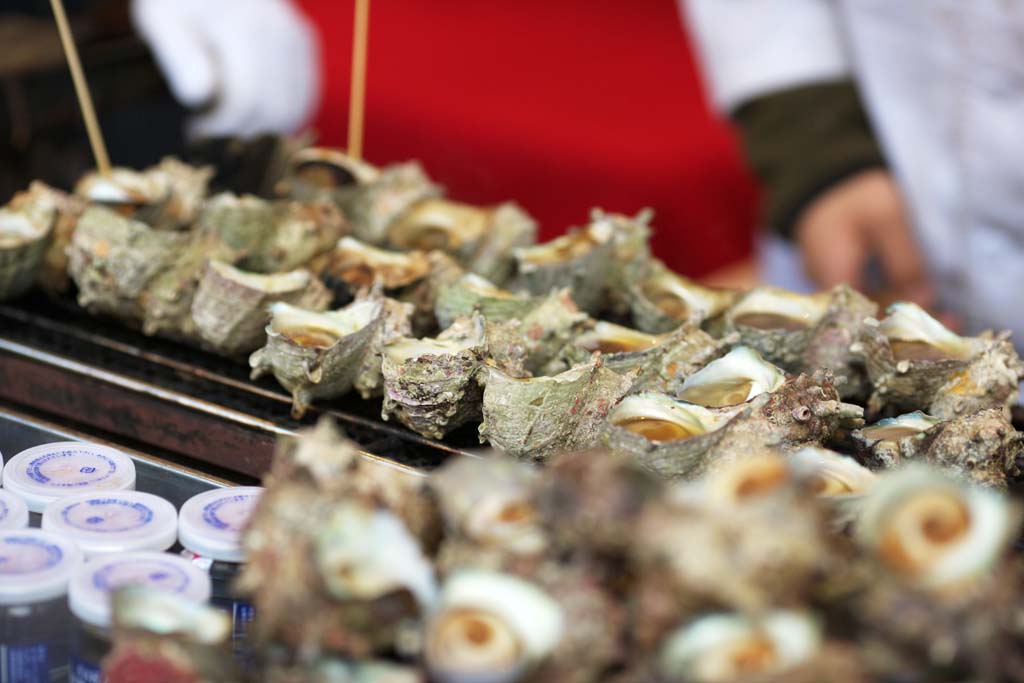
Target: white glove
{"type": "Point", "coordinates": [255, 62]}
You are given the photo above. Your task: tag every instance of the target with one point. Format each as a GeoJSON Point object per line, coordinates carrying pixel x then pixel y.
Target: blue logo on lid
{"type": "Point", "coordinates": [123, 515]}
{"type": "Point", "coordinates": [27, 554]}
{"type": "Point", "coordinates": [36, 469]}
{"type": "Point", "coordinates": [163, 576]}
{"type": "Point", "coordinates": [212, 517]}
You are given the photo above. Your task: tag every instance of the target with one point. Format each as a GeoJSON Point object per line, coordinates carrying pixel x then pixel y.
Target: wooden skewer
{"type": "Point", "coordinates": [92, 126]}
{"type": "Point", "coordinates": [357, 96]}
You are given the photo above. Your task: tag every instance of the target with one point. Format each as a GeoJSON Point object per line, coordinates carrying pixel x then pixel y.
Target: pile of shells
{"type": "Point", "coordinates": [768, 567]}
{"type": "Point", "coordinates": [366, 280]}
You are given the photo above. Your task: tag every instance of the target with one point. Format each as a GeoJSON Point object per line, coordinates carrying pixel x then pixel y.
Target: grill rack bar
{"type": "Point", "coordinates": [57, 359]}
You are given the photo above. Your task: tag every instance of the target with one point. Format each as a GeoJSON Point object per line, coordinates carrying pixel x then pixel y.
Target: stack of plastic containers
{"type": "Point", "coordinates": [98, 535]}
{"type": "Point", "coordinates": [93, 584]}
{"type": "Point", "coordinates": [210, 529]}
{"type": "Point", "coordinates": [35, 568]}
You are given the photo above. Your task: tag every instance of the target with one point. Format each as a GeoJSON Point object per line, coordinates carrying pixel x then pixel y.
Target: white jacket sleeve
{"type": "Point", "coordinates": [752, 47]}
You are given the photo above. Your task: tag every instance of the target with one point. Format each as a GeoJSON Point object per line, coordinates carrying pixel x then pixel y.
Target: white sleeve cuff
{"type": "Point", "coordinates": [752, 47]}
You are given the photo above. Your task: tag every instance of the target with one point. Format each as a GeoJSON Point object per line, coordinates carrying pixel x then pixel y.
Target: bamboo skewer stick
{"type": "Point", "coordinates": [92, 126]}
{"type": "Point", "coordinates": [357, 96]}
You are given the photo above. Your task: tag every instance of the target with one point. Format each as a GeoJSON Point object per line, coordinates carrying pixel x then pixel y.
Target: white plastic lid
{"type": "Point", "coordinates": [13, 512]}
{"type": "Point", "coordinates": [113, 522]}
{"type": "Point", "coordinates": [42, 474]}
{"type": "Point", "coordinates": [94, 582]}
{"type": "Point", "coordinates": [35, 566]}
{"type": "Point", "coordinates": [211, 523]}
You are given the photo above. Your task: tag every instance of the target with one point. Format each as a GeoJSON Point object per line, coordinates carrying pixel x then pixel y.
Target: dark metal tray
{"type": "Point", "coordinates": [58, 362]}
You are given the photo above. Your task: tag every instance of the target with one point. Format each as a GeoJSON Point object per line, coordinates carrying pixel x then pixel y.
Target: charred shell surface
{"type": "Point", "coordinates": [241, 223]}
{"type": "Point", "coordinates": [349, 584]}
{"type": "Point", "coordinates": [945, 388]}
{"type": "Point", "coordinates": [510, 227]}
{"type": "Point", "coordinates": [491, 516]}
{"type": "Point", "coordinates": [374, 206]}
{"type": "Point", "coordinates": [470, 293]}
{"type": "Point", "coordinates": [579, 261]}
{"type": "Point", "coordinates": [396, 324]}
{"type": "Point", "coordinates": [317, 355]}
{"type": "Point", "coordinates": [763, 541]}
{"type": "Point", "coordinates": [631, 255]}
{"type": "Point", "coordinates": [829, 347]}
{"type": "Point", "coordinates": [534, 419]}
{"type": "Point", "coordinates": [167, 301]}
{"type": "Point", "coordinates": [38, 199]}
{"type": "Point", "coordinates": [430, 385]}
{"type": "Point", "coordinates": [23, 239]}
{"type": "Point", "coordinates": [525, 346]}
{"type": "Point", "coordinates": [188, 187]}
{"type": "Point", "coordinates": [983, 448]}
{"type": "Point", "coordinates": [113, 259]}
{"type": "Point", "coordinates": [299, 232]}
{"type": "Point", "coordinates": [229, 310]}
{"type": "Point", "coordinates": [778, 324]}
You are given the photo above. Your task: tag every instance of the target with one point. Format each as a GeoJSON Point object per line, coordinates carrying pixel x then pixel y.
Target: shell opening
{"type": "Point", "coordinates": [361, 265]}
{"type": "Point", "coordinates": [321, 330]}
{"type": "Point", "coordinates": [896, 428]}
{"type": "Point", "coordinates": [610, 338]}
{"type": "Point", "coordinates": [680, 298]}
{"type": "Point", "coordinates": [408, 349]}
{"type": "Point", "coordinates": [658, 418]}
{"type": "Point", "coordinates": [272, 284]}
{"type": "Point", "coordinates": [559, 250]}
{"type": "Point", "coordinates": [736, 377]}
{"type": "Point", "coordinates": [768, 308]}
{"type": "Point", "coordinates": [916, 336]}
{"type": "Point", "coordinates": [439, 224]}
{"type": "Point", "coordinates": [17, 228]}
{"type": "Point", "coordinates": [330, 168]}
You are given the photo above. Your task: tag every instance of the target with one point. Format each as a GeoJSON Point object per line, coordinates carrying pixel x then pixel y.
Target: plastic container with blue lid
{"type": "Point", "coordinates": [42, 474]}
{"type": "Point", "coordinates": [93, 584]}
{"type": "Point", "coordinates": [13, 512]}
{"type": "Point", "coordinates": [211, 523]}
{"type": "Point", "coordinates": [114, 522]}
{"type": "Point", "coordinates": [35, 570]}
{"type": "Point", "coordinates": [210, 528]}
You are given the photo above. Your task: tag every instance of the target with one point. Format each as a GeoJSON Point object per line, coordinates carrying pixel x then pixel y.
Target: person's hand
{"type": "Point", "coordinates": [855, 222]}
{"type": "Point", "coordinates": [251, 66]}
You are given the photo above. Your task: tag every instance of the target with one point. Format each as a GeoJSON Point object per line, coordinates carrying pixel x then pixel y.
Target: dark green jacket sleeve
{"type": "Point", "coordinates": [802, 141]}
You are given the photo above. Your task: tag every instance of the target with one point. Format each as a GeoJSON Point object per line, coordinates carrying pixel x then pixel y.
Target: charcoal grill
{"type": "Point", "coordinates": [68, 366]}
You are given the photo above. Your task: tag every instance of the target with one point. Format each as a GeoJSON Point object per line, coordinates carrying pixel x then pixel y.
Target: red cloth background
{"type": "Point", "coordinates": [561, 105]}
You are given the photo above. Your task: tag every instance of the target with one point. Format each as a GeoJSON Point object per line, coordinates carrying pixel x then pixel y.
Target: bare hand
{"type": "Point", "coordinates": [860, 219]}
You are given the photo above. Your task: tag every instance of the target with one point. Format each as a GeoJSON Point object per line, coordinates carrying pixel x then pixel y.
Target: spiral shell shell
{"type": "Point", "coordinates": [490, 628]}
{"type": "Point", "coordinates": [724, 648]}
{"type": "Point", "coordinates": [933, 532]}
